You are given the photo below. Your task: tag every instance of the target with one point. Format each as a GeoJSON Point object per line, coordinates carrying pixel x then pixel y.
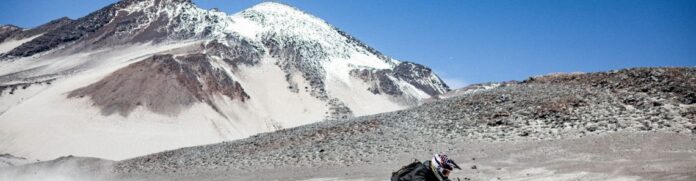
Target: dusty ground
{"type": "Point", "coordinates": [612, 156]}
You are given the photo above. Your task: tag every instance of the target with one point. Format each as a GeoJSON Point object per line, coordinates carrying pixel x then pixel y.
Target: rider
{"type": "Point", "coordinates": [436, 169]}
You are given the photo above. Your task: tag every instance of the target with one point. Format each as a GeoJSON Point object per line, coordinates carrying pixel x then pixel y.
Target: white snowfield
{"type": "Point", "coordinates": [41, 122]}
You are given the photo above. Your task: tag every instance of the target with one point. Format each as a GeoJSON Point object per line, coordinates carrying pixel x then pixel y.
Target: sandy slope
{"type": "Point", "coordinates": [42, 122]}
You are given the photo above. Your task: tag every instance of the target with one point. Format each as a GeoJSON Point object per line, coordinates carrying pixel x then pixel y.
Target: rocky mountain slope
{"type": "Point", "coordinates": [631, 124]}
{"type": "Point", "coordinates": [560, 107]}
{"type": "Point", "coordinates": [162, 74]}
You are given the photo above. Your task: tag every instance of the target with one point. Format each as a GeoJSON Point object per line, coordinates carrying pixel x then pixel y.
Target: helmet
{"type": "Point", "coordinates": [442, 163]}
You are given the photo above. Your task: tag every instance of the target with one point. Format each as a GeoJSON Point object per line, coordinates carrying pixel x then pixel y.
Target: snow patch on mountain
{"type": "Point", "coordinates": [7, 46]}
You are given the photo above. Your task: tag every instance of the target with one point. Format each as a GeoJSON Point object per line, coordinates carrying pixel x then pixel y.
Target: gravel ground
{"type": "Point", "coordinates": [610, 156]}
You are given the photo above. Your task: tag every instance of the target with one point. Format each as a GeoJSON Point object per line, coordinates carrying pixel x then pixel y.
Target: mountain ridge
{"type": "Point", "coordinates": [168, 65]}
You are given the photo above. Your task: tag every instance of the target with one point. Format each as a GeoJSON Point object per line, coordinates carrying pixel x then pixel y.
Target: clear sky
{"type": "Point", "coordinates": [471, 41]}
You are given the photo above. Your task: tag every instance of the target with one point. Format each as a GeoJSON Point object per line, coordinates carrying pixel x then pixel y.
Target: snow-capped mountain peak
{"type": "Point", "coordinates": [276, 15]}
{"type": "Point", "coordinates": [283, 24]}
{"type": "Point", "coordinates": [142, 63]}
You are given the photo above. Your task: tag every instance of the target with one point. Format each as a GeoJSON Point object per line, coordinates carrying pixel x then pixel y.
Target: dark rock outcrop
{"type": "Point", "coordinates": [421, 77]}
{"type": "Point", "coordinates": [69, 31]}
{"type": "Point", "coordinates": [164, 84]}
{"type": "Point", "coordinates": [383, 80]}
{"type": "Point", "coordinates": [7, 31]}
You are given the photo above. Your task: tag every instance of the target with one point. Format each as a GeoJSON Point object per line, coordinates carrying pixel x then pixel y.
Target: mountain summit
{"type": "Point", "coordinates": [153, 75]}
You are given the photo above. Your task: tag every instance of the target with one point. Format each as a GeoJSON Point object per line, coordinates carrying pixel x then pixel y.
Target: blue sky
{"type": "Point", "coordinates": [480, 40]}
